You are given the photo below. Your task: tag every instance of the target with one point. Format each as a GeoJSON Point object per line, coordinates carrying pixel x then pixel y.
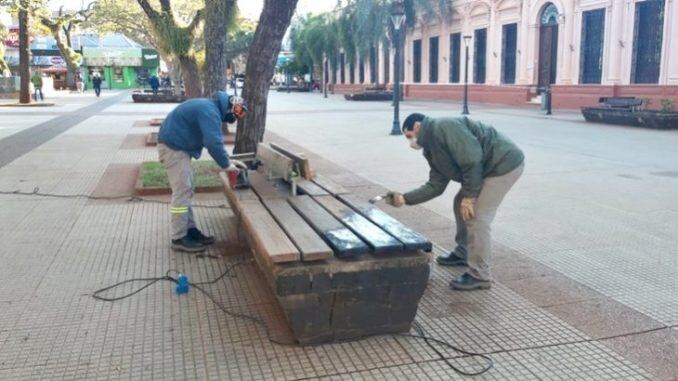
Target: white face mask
{"type": "Point", "coordinates": [414, 144]}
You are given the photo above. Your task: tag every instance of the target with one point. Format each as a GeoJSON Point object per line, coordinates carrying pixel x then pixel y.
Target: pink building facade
{"type": "Point", "coordinates": [581, 49]}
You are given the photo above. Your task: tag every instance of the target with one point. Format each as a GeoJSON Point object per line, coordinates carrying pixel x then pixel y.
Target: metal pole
{"type": "Point", "coordinates": [325, 77]}
{"type": "Point", "coordinates": [548, 100]}
{"type": "Point", "coordinates": [395, 130]}
{"type": "Point", "coordinates": [465, 111]}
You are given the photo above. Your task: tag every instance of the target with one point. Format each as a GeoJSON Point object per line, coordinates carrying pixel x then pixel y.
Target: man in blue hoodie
{"type": "Point", "coordinates": [193, 125]}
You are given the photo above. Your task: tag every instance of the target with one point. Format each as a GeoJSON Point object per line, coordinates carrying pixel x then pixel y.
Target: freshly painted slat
{"type": "Point", "coordinates": [410, 238]}
{"type": "Point", "coordinates": [336, 235]}
{"type": "Point", "coordinates": [378, 240]}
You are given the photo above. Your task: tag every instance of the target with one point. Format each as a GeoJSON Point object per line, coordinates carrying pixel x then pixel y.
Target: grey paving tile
{"type": "Point", "coordinates": [654, 351]}
{"type": "Point", "coordinates": [583, 361]}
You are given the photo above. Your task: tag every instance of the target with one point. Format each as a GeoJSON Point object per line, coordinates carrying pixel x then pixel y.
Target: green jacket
{"type": "Point", "coordinates": [465, 151]}
{"type": "Point", "coordinates": [36, 79]}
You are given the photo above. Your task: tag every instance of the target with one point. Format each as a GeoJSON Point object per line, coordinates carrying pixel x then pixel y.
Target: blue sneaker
{"type": "Point", "coordinates": [467, 282]}
{"type": "Point", "coordinates": [451, 259]}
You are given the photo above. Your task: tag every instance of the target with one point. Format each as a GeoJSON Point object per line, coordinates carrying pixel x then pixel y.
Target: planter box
{"type": "Point", "coordinates": [647, 119]}
{"type": "Point", "coordinates": [370, 96]}
{"type": "Point", "coordinates": [160, 98]}
{"type": "Point", "coordinates": [141, 190]}
{"type": "Point", "coordinates": [293, 89]}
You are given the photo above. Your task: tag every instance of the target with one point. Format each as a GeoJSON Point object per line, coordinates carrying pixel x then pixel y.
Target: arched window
{"type": "Point", "coordinates": [549, 15]}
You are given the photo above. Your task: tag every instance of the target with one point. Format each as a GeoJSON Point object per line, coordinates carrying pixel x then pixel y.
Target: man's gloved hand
{"type": "Point", "coordinates": [395, 199]}
{"type": "Point", "coordinates": [238, 164]}
{"type": "Point", "coordinates": [467, 208]}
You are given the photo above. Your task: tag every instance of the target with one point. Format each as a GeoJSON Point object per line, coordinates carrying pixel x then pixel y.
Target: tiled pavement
{"type": "Point", "coordinates": [57, 251]}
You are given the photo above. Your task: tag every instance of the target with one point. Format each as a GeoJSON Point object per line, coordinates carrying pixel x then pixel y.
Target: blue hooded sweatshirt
{"type": "Point", "coordinates": [196, 123]}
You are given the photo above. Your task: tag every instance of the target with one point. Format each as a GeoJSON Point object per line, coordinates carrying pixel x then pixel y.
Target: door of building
{"type": "Point", "coordinates": [548, 46]}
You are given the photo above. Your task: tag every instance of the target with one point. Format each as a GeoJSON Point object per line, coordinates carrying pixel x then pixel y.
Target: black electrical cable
{"type": "Point", "coordinates": [421, 333]}
{"type": "Point", "coordinates": [128, 198]}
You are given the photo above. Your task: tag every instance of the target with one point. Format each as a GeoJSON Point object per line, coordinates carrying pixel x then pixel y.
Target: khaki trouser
{"type": "Point", "coordinates": [474, 241]}
{"type": "Point", "coordinates": [178, 166]}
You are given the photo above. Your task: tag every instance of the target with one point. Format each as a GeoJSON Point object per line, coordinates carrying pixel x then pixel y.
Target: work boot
{"type": "Point", "coordinates": [196, 235]}
{"type": "Point", "coordinates": [467, 282]}
{"type": "Point", "coordinates": [188, 245]}
{"type": "Point", "coordinates": [451, 259]}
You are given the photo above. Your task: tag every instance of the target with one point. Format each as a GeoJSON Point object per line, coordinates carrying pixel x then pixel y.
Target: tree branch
{"type": "Point", "coordinates": [199, 16]}
{"type": "Point", "coordinates": [148, 9]}
{"type": "Point", "coordinates": [166, 7]}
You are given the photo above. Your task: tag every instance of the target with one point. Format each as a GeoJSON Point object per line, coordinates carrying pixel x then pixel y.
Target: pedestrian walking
{"type": "Point", "coordinates": [193, 125]}
{"type": "Point", "coordinates": [36, 80]}
{"type": "Point", "coordinates": [486, 163]}
{"type": "Point", "coordinates": [96, 83]}
{"type": "Point", "coordinates": [154, 82]}
{"type": "Point", "coordinates": [79, 83]}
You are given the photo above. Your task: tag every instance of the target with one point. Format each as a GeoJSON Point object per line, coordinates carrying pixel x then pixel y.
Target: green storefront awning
{"type": "Point", "coordinates": [112, 56]}
{"type": "Point", "coordinates": [150, 58]}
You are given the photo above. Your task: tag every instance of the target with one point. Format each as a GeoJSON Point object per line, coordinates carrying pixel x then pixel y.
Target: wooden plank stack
{"type": "Point", "coordinates": [326, 220]}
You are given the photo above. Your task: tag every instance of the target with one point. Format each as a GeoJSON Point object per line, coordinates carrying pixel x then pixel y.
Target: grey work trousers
{"type": "Point", "coordinates": [474, 238]}
{"type": "Point", "coordinates": [180, 174]}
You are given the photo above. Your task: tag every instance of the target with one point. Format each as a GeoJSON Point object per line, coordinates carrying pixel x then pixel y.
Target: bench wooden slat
{"type": "Point", "coordinates": [234, 197]}
{"type": "Point", "coordinates": [342, 241]}
{"type": "Point", "coordinates": [266, 189]}
{"type": "Point", "coordinates": [309, 243]}
{"type": "Point", "coordinates": [310, 188]}
{"type": "Point", "coordinates": [300, 159]}
{"type": "Point", "coordinates": [266, 236]}
{"type": "Point", "coordinates": [378, 240]}
{"type": "Point", "coordinates": [410, 238]}
{"type": "Point", "coordinates": [329, 185]}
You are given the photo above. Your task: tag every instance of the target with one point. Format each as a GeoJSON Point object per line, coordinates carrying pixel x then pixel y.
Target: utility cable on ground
{"type": "Point", "coordinates": [128, 198]}
{"type": "Point", "coordinates": [420, 332]}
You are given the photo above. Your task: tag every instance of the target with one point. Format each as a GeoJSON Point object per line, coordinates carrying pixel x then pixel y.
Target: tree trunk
{"type": "Point", "coordinates": [24, 70]}
{"type": "Point", "coordinates": [174, 74]}
{"type": "Point", "coordinates": [217, 14]}
{"type": "Point", "coordinates": [263, 55]}
{"type": "Point", "coordinates": [190, 76]}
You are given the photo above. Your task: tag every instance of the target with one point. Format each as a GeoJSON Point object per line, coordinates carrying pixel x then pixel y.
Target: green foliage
{"type": "Point", "coordinates": [240, 37]}
{"type": "Point", "coordinates": [295, 67]}
{"type": "Point", "coordinates": [205, 174]}
{"type": "Point", "coordinates": [357, 27]}
{"type": "Point", "coordinates": [667, 105]}
{"type": "Point", "coordinates": [3, 64]}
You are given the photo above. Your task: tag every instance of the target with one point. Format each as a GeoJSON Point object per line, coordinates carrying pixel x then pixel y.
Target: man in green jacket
{"type": "Point", "coordinates": [36, 80]}
{"type": "Point", "coordinates": [486, 163]}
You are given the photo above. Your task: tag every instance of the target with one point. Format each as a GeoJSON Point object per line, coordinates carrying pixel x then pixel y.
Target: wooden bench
{"type": "Point", "coordinates": [629, 103]}
{"type": "Point", "coordinates": [339, 267]}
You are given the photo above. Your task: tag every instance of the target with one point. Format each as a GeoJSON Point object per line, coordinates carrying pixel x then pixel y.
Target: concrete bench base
{"type": "Point", "coordinates": [338, 300]}
{"type": "Point", "coordinates": [160, 98]}
{"type": "Point", "coordinates": [370, 96]}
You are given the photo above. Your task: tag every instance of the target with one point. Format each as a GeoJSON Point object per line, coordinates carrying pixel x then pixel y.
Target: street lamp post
{"type": "Point", "coordinates": [467, 39]}
{"type": "Point", "coordinates": [398, 18]}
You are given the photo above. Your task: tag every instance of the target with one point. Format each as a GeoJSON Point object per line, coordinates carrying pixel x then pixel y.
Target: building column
{"type": "Point", "coordinates": [444, 53]}
{"type": "Point", "coordinates": [669, 69]}
{"type": "Point", "coordinates": [566, 24]}
{"type": "Point", "coordinates": [524, 41]}
{"type": "Point", "coordinates": [614, 45]}
{"type": "Point", "coordinates": [493, 63]}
